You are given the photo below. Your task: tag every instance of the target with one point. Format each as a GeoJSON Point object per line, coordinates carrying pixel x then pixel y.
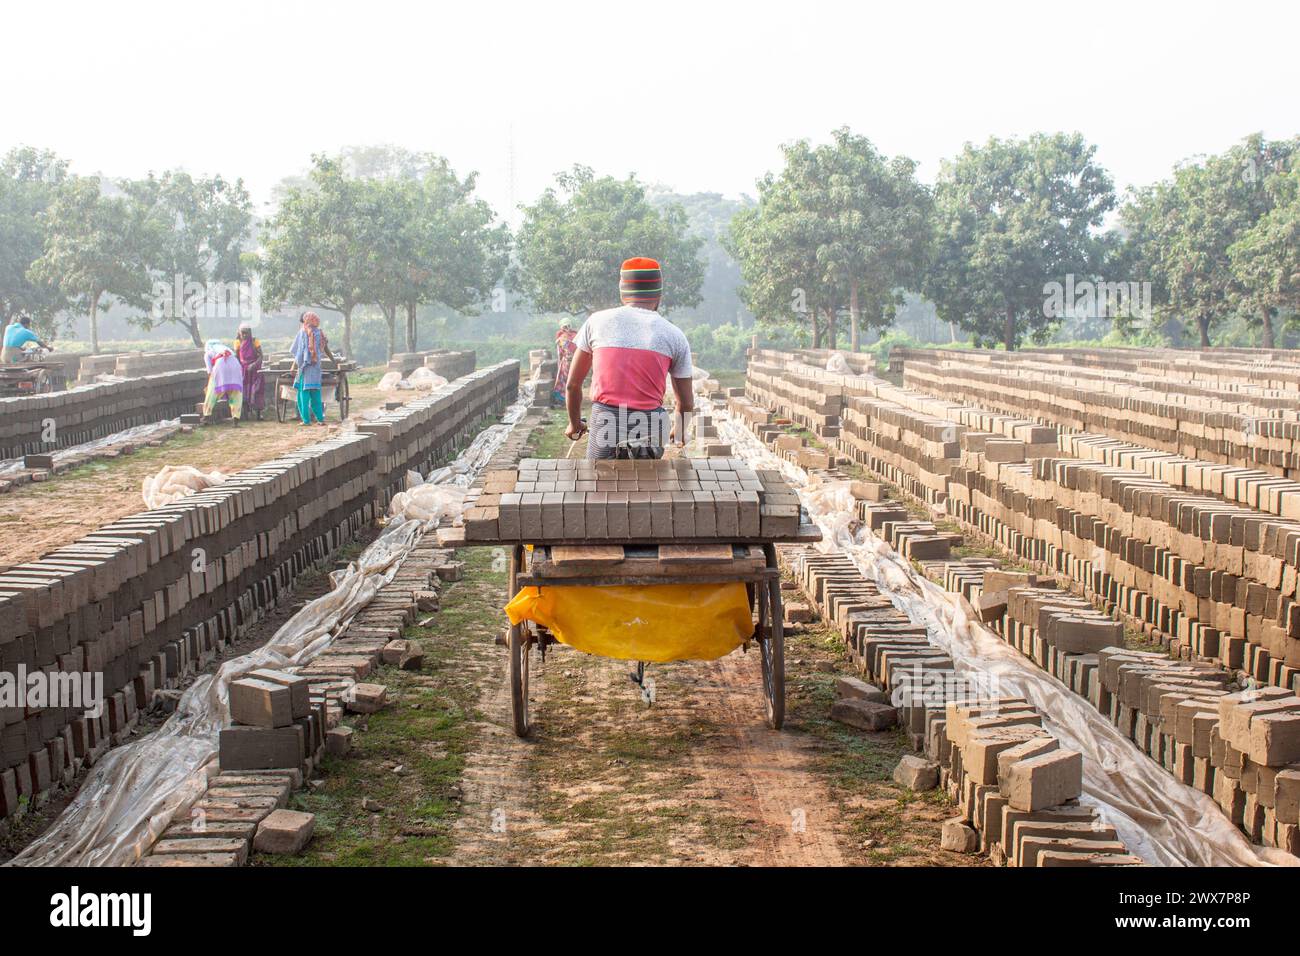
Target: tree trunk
{"type": "Point", "coordinates": [410, 326]}
{"type": "Point", "coordinates": [193, 327]}
{"type": "Point", "coordinates": [952, 333]}
{"type": "Point", "coordinates": [1009, 330]}
{"type": "Point", "coordinates": [1267, 329]}
{"type": "Point", "coordinates": [816, 329]}
{"type": "Point", "coordinates": [347, 328]}
{"type": "Point", "coordinates": [1203, 326]}
{"type": "Point", "coordinates": [853, 315]}
{"type": "Point", "coordinates": [390, 317]}
{"type": "Point", "coordinates": [94, 321]}
{"type": "Point", "coordinates": [831, 330]}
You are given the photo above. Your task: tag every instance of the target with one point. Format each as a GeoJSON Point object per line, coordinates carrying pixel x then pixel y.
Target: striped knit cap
{"type": "Point", "coordinates": [641, 282]}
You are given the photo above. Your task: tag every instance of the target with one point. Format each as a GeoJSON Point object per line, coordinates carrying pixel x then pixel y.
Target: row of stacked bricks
{"type": "Point", "coordinates": [1039, 520]}
{"type": "Point", "coordinates": [285, 721]}
{"type": "Point", "coordinates": [1207, 577]}
{"type": "Point", "coordinates": [1191, 413]}
{"type": "Point", "coordinates": [152, 597]}
{"type": "Point", "coordinates": [444, 362]}
{"type": "Point", "coordinates": [1013, 782]}
{"type": "Point", "coordinates": [426, 430]}
{"type": "Point", "coordinates": [553, 500]}
{"type": "Point", "coordinates": [1240, 748]}
{"type": "Point", "coordinates": [33, 424]}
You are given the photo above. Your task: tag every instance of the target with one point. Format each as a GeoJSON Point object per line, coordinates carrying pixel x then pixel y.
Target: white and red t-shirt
{"type": "Point", "coordinates": [632, 352]}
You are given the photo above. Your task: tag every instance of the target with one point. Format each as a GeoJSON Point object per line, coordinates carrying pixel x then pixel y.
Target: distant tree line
{"type": "Point", "coordinates": [1013, 239]}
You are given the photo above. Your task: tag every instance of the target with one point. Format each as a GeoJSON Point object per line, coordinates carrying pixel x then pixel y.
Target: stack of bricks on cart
{"type": "Point", "coordinates": [1015, 785]}
{"type": "Point", "coordinates": [150, 598]}
{"type": "Point", "coordinates": [670, 500]}
{"type": "Point", "coordinates": [39, 424]}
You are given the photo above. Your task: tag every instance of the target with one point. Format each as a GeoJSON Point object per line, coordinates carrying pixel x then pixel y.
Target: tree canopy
{"type": "Point", "coordinates": [1011, 217]}
{"type": "Point", "coordinates": [575, 237]}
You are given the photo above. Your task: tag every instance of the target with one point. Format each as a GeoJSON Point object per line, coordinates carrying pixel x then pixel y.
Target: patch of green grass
{"type": "Point", "coordinates": [548, 440]}
{"type": "Point", "coordinates": [410, 756]}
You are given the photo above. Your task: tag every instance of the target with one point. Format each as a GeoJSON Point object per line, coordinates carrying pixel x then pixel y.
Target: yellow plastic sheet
{"type": "Point", "coordinates": [663, 622]}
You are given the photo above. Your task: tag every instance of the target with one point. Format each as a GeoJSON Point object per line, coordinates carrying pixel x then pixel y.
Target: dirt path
{"type": "Point", "coordinates": [695, 778]}
{"type": "Point", "coordinates": [43, 516]}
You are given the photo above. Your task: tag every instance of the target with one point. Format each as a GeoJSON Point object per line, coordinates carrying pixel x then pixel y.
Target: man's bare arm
{"type": "Point", "coordinates": [684, 393]}
{"type": "Point", "coordinates": [578, 370]}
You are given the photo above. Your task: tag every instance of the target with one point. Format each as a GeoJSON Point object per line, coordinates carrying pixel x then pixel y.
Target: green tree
{"type": "Point", "coordinates": [201, 228]}
{"type": "Point", "coordinates": [879, 232]}
{"type": "Point", "coordinates": [574, 238]}
{"type": "Point", "coordinates": [1265, 259]}
{"type": "Point", "coordinates": [96, 246]}
{"type": "Point", "coordinates": [709, 216]}
{"type": "Point", "coordinates": [1012, 216]}
{"type": "Point", "coordinates": [317, 249]}
{"type": "Point", "coordinates": [456, 251]}
{"type": "Point", "coordinates": [1181, 231]}
{"type": "Point", "coordinates": [29, 181]}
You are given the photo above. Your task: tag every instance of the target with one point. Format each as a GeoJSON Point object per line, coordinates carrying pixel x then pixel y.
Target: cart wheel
{"type": "Point", "coordinates": [772, 649]}
{"type": "Point", "coordinates": [772, 645]}
{"type": "Point", "coordinates": [344, 395]}
{"type": "Point", "coordinates": [519, 646]}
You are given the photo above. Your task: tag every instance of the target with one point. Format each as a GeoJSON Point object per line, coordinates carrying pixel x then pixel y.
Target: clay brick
{"type": "Point", "coordinates": [260, 703]}
{"type": "Point", "coordinates": [1047, 780]}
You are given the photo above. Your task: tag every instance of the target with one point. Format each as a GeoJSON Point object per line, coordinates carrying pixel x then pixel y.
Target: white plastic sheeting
{"type": "Point", "coordinates": [838, 364]}
{"type": "Point", "coordinates": [423, 379]}
{"type": "Point", "coordinates": [138, 433]}
{"type": "Point", "coordinates": [1159, 818]}
{"type": "Point", "coordinates": [132, 795]}
{"type": "Point", "coordinates": [174, 482]}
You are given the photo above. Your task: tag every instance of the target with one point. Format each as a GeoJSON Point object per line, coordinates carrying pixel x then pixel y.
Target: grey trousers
{"type": "Point", "coordinates": [610, 426]}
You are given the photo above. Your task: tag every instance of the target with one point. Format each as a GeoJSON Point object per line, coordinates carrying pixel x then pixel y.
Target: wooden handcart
{"type": "Point", "coordinates": [334, 383]}
{"type": "Point", "coordinates": [601, 565]}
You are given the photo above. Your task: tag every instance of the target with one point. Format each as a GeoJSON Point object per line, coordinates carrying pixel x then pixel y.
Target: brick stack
{"type": "Point", "coordinates": [1019, 788]}
{"type": "Point", "coordinates": [670, 500]}
{"type": "Point", "coordinates": [1012, 780]}
{"type": "Point", "coordinates": [1240, 424]}
{"type": "Point", "coordinates": [142, 364]}
{"type": "Point", "coordinates": [450, 365]}
{"type": "Point", "coordinates": [150, 598]}
{"type": "Point", "coordinates": [445, 362]}
{"type": "Point", "coordinates": [88, 412]}
{"type": "Point", "coordinates": [429, 428]}
{"type": "Point", "coordinates": [1208, 577]}
{"type": "Point", "coordinates": [92, 366]}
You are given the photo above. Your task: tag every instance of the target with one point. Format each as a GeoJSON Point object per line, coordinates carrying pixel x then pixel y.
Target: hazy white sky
{"type": "Point", "coordinates": [695, 95]}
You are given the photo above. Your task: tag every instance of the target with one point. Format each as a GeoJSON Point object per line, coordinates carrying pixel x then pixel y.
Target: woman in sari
{"type": "Point", "coordinates": [225, 380]}
{"type": "Point", "coordinates": [564, 349]}
{"type": "Point", "coordinates": [249, 352]}
{"type": "Point", "coordinates": [307, 349]}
